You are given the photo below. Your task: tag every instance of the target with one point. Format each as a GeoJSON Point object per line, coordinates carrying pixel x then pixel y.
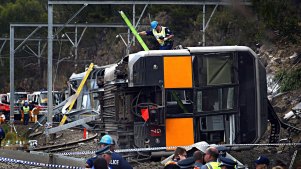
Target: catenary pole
{"type": "Point", "coordinates": [11, 72]}
{"type": "Point", "coordinates": [49, 69]}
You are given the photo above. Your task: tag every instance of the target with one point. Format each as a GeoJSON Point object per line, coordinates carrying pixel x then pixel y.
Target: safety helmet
{"type": "Point", "coordinates": [154, 24]}
{"type": "Point", "coordinates": [106, 139]}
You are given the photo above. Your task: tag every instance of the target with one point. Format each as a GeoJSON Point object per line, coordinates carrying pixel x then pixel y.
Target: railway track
{"type": "Point", "coordinates": [66, 145]}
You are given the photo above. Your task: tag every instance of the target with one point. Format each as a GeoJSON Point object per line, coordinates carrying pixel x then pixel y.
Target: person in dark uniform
{"type": "Point", "coordinates": [104, 153]}
{"type": "Point", "coordinates": [262, 162]}
{"type": "Point", "coordinates": [117, 161]}
{"type": "Point", "coordinates": [172, 166]}
{"type": "Point", "coordinates": [187, 163]}
{"type": "Point", "coordinates": [227, 163]}
{"type": "Point", "coordinates": [100, 163]}
{"type": "Point", "coordinates": [26, 110]}
{"type": "Point", "coordinates": [2, 134]}
{"type": "Point", "coordinates": [162, 34]}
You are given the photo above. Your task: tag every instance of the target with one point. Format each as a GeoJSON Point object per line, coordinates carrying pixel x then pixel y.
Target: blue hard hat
{"type": "Point", "coordinates": [154, 24]}
{"type": "Point", "coordinates": [106, 139]}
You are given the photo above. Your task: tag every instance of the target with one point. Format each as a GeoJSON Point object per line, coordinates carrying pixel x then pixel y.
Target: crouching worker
{"type": "Point", "coordinates": [104, 153]}
{"type": "Point", "coordinates": [117, 161]}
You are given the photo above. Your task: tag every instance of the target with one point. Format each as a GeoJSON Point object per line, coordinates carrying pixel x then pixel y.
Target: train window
{"type": "Point", "coordinates": [212, 123]}
{"type": "Point", "coordinates": [216, 99]}
{"type": "Point", "coordinates": [43, 99]}
{"type": "Point", "coordinates": [214, 69]}
{"type": "Point", "coordinates": [179, 101]}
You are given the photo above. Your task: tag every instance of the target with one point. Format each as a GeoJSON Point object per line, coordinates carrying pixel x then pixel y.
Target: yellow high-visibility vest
{"type": "Point", "coordinates": [213, 165]}
{"type": "Point", "coordinates": [160, 34]}
{"type": "Point", "coordinates": [26, 109]}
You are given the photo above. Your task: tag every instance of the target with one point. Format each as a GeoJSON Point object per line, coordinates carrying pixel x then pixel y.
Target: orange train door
{"type": "Point", "coordinates": [179, 118]}
{"type": "Point", "coordinates": [179, 131]}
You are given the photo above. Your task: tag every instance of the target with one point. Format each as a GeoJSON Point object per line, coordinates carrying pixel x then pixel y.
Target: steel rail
{"type": "Point", "coordinates": [170, 2]}
{"type": "Point", "coordinates": [66, 144]}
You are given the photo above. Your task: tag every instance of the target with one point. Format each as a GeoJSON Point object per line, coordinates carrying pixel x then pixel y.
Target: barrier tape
{"type": "Point", "coordinates": [174, 147]}
{"type": "Point", "coordinates": [31, 163]}
{"type": "Point", "coordinates": [293, 159]}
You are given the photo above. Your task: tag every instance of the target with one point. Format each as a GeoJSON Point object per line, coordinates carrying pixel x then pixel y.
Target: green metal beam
{"type": "Point", "coordinates": [129, 24]}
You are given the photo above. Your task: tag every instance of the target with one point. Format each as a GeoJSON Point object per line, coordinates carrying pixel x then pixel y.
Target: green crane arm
{"type": "Point", "coordinates": [129, 24]}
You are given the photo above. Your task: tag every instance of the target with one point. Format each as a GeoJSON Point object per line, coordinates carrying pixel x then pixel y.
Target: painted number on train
{"type": "Point", "coordinates": [155, 132]}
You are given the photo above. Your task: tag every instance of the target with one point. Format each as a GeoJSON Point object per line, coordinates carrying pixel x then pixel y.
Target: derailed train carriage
{"type": "Point", "coordinates": [179, 97]}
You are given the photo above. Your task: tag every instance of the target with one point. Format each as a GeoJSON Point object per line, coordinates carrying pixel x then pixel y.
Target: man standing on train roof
{"type": "Point", "coordinates": [163, 35]}
{"type": "Point", "coordinates": [117, 162]}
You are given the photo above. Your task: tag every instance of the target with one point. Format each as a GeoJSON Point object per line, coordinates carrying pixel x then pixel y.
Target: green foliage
{"type": "Point", "coordinates": [281, 17]}
{"type": "Point", "coordinates": [289, 80]}
{"type": "Point", "coordinates": [12, 137]}
{"type": "Point", "coordinates": [21, 11]}
{"type": "Point", "coordinates": [5, 127]}
{"type": "Point", "coordinates": [180, 19]}
{"type": "Point", "coordinates": [228, 26]}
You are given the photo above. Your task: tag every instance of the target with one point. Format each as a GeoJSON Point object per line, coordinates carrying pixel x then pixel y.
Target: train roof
{"type": "Point", "coordinates": [188, 51]}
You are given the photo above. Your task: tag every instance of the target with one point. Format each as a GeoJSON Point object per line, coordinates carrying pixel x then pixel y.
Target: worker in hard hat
{"type": "Point", "coordinates": [163, 35]}
{"type": "Point", "coordinates": [26, 110]}
{"type": "Point", "coordinates": [117, 162]}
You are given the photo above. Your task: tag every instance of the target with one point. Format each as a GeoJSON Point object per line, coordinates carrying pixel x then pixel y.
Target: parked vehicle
{"type": "Point", "coordinates": [4, 105]}
{"type": "Point", "coordinates": [19, 99]}
{"type": "Point", "coordinates": [39, 100]}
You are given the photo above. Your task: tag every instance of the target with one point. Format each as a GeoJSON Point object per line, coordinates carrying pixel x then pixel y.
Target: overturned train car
{"type": "Point", "coordinates": [179, 97]}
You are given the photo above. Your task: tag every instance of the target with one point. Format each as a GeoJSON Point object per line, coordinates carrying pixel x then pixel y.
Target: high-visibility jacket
{"type": "Point", "coordinates": [213, 165]}
{"type": "Point", "coordinates": [26, 109]}
{"type": "Point", "coordinates": [160, 34]}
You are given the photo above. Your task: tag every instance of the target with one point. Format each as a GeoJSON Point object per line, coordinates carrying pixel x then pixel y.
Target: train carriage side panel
{"type": "Point", "coordinates": [178, 75]}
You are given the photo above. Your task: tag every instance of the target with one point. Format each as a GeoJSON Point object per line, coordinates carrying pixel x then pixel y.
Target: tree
{"type": "Point", "coordinates": [21, 11]}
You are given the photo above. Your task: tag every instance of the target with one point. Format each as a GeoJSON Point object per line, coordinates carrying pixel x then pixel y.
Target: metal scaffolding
{"type": "Point", "coordinates": [149, 2]}
{"type": "Point", "coordinates": [37, 27]}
